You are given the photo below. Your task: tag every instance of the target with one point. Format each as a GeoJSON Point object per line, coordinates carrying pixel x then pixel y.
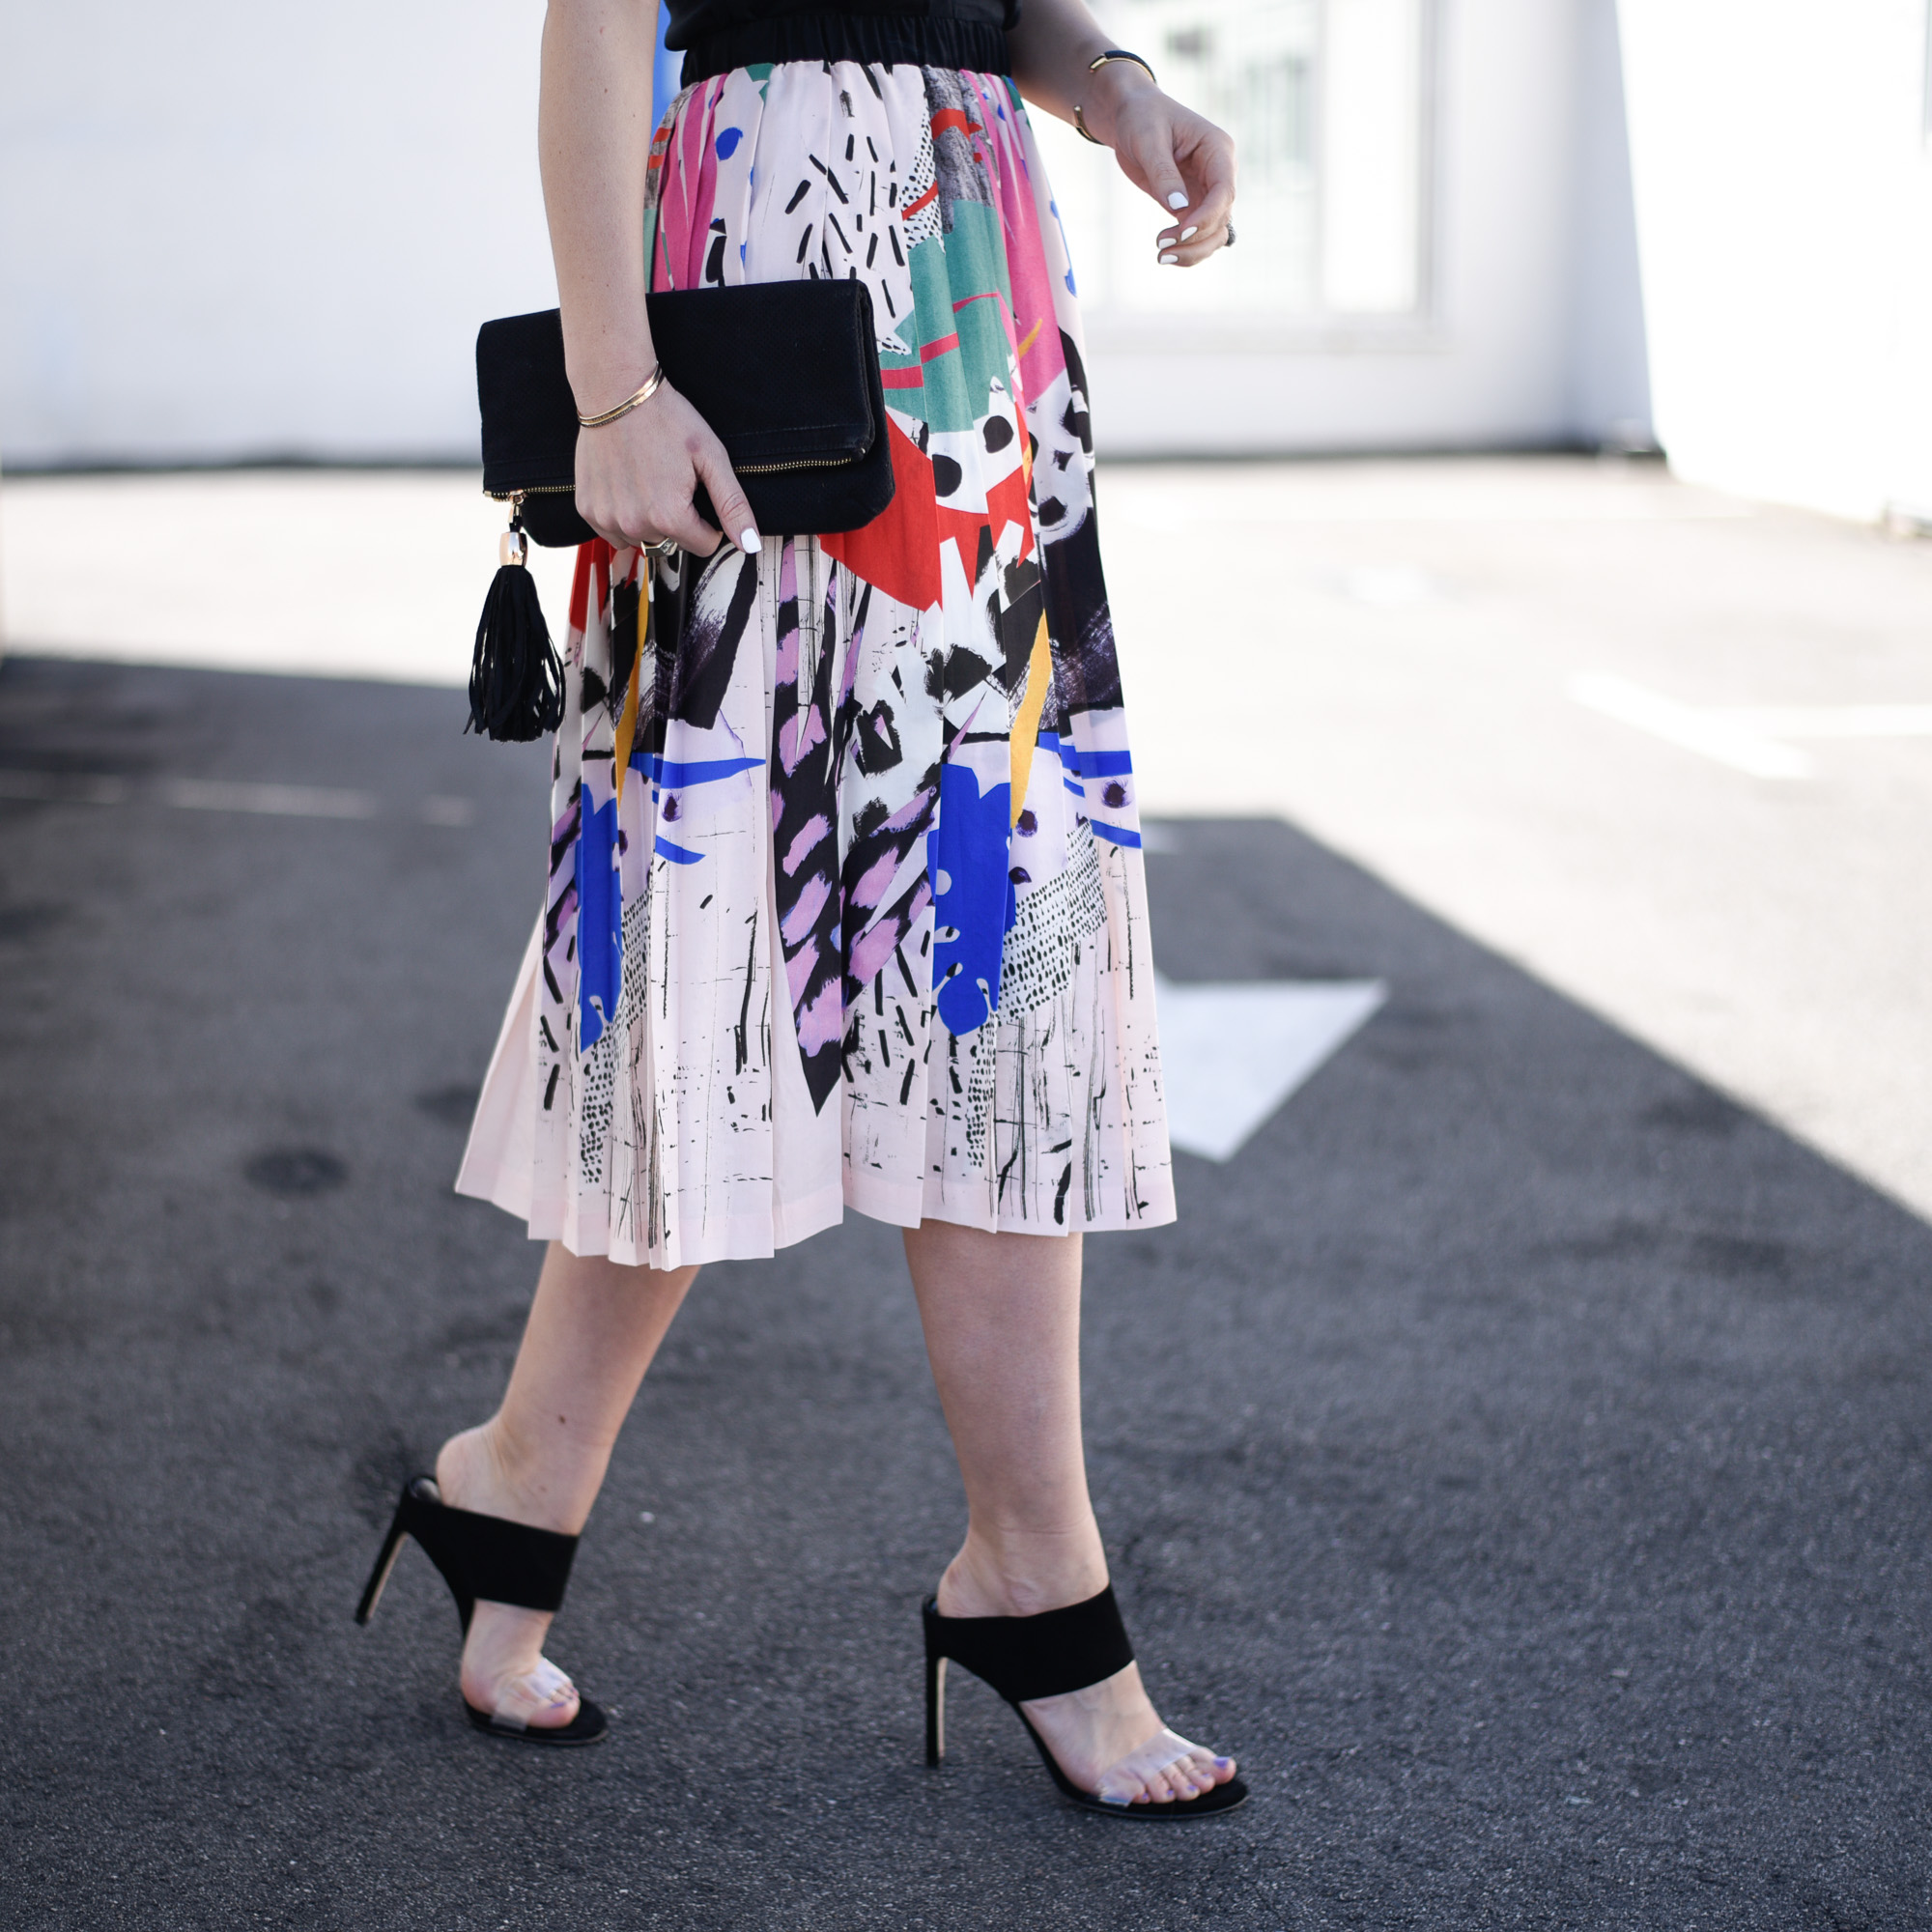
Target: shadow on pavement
{"type": "Point", "coordinates": [1518, 1455]}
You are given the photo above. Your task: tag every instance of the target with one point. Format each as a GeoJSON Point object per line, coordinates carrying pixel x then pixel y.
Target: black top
{"type": "Point", "coordinates": [719, 35]}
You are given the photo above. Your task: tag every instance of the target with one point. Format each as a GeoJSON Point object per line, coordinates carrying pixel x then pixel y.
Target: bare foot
{"type": "Point", "coordinates": [1108, 1738]}
{"type": "Point", "coordinates": [505, 1670]}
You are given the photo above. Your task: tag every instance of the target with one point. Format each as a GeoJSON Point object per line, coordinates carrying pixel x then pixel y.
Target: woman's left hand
{"type": "Point", "coordinates": [1185, 163]}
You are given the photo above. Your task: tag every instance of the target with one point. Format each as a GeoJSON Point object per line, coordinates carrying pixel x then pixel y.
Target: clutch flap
{"type": "Point", "coordinates": [787, 374]}
{"type": "Point", "coordinates": [529, 416]}
{"type": "Point", "coordinates": [782, 371]}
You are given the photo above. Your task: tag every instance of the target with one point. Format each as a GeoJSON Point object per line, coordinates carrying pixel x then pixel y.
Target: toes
{"type": "Point", "coordinates": [541, 1698]}
{"type": "Point", "coordinates": [558, 1692]}
{"type": "Point", "coordinates": [504, 1671]}
{"type": "Point", "coordinates": [1201, 1770]}
{"type": "Point", "coordinates": [1118, 1785]}
{"type": "Point", "coordinates": [1167, 1769]}
{"type": "Point", "coordinates": [1159, 1772]}
{"type": "Point", "coordinates": [1192, 1774]}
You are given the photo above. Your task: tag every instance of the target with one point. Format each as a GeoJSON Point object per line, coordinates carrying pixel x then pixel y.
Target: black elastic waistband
{"type": "Point", "coordinates": [973, 47]}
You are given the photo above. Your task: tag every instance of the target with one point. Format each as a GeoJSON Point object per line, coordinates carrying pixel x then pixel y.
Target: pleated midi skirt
{"type": "Point", "coordinates": [845, 903]}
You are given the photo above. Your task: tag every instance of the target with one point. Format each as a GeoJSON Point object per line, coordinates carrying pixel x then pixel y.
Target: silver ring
{"type": "Point", "coordinates": [1229, 241]}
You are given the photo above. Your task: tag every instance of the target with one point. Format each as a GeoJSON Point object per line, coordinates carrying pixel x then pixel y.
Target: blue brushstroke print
{"type": "Point", "coordinates": [966, 860]}
{"type": "Point", "coordinates": [599, 922]}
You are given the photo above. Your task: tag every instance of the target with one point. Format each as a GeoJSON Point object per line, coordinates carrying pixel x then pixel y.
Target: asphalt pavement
{"type": "Point", "coordinates": [1539, 694]}
{"type": "Point", "coordinates": [1517, 1454]}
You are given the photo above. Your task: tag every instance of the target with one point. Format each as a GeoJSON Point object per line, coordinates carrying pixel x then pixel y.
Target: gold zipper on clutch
{"type": "Point", "coordinates": [742, 469]}
{"type": "Point", "coordinates": [801, 463]}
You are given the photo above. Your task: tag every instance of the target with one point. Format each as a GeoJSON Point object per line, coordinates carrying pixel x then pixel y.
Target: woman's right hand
{"type": "Point", "coordinates": [635, 478]}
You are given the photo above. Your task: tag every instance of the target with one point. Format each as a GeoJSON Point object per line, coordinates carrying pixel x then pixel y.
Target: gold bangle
{"type": "Point", "coordinates": [642, 394]}
{"type": "Point", "coordinates": [1120, 53]}
{"type": "Point", "coordinates": [1094, 66]}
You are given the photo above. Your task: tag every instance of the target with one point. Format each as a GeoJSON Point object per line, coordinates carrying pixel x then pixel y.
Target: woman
{"type": "Point", "coordinates": [846, 905]}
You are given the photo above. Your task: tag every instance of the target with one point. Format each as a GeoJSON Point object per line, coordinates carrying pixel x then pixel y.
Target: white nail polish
{"type": "Point", "coordinates": [748, 543]}
{"type": "Point", "coordinates": [1177, 200]}
{"type": "Point", "coordinates": [1170, 259]}
{"type": "Point", "coordinates": [1189, 234]}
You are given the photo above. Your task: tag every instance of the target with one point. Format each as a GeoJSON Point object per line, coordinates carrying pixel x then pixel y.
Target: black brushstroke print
{"type": "Point", "coordinates": [707, 650]}
{"type": "Point", "coordinates": [1086, 673]}
{"type": "Point", "coordinates": [804, 840]}
{"type": "Point", "coordinates": [625, 601]}
{"type": "Point", "coordinates": [1077, 421]}
{"type": "Point", "coordinates": [877, 740]}
{"type": "Point", "coordinates": [878, 835]}
{"type": "Point", "coordinates": [1018, 624]}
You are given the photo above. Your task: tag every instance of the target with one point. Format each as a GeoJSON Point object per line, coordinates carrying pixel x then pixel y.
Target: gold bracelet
{"type": "Point", "coordinates": [1094, 66]}
{"type": "Point", "coordinates": [642, 394]}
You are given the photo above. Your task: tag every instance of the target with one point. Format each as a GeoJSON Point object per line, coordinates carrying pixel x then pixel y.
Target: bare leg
{"type": "Point", "coordinates": [1001, 1315]}
{"type": "Point", "coordinates": [540, 1460]}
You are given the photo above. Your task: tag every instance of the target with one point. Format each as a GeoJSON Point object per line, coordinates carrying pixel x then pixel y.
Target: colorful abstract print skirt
{"type": "Point", "coordinates": [846, 905]}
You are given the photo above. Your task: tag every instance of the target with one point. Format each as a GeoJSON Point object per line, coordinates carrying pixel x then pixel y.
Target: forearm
{"type": "Point", "coordinates": [593, 141]}
{"type": "Point", "coordinates": [1052, 49]}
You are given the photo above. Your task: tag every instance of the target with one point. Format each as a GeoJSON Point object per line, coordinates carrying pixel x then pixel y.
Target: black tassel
{"type": "Point", "coordinates": [516, 682]}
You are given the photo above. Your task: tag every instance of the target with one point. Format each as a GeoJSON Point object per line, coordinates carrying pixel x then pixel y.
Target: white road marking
{"type": "Point", "coordinates": [1747, 737]}
{"type": "Point", "coordinates": [275, 801]}
{"type": "Point", "coordinates": [1231, 1055]}
{"type": "Point", "coordinates": [1711, 733]}
{"type": "Point", "coordinates": [1160, 504]}
{"type": "Point", "coordinates": [279, 801]}
{"type": "Point", "coordinates": [1833, 721]}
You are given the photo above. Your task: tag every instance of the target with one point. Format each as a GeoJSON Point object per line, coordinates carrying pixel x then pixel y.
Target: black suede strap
{"type": "Point", "coordinates": [1043, 1656]}
{"type": "Point", "coordinates": [489, 1557]}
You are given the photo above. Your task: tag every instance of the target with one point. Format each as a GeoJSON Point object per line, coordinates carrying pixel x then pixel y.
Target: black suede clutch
{"type": "Point", "coordinates": [786, 373]}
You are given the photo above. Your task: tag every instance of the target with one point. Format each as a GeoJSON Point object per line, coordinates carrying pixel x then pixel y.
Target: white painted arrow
{"type": "Point", "coordinates": [1230, 1055]}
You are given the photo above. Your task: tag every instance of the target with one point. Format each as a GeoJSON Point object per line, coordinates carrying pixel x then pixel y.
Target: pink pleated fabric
{"type": "Point", "coordinates": [846, 905]}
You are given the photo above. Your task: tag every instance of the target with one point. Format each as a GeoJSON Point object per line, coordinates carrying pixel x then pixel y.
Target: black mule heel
{"type": "Point", "coordinates": [1047, 1656]}
{"type": "Point", "coordinates": [500, 1561]}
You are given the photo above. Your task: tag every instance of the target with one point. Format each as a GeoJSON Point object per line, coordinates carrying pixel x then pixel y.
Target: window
{"type": "Point", "coordinates": [1328, 102]}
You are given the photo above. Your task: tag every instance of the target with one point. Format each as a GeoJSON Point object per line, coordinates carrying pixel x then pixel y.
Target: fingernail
{"type": "Point", "coordinates": [1177, 200]}
{"type": "Point", "coordinates": [1189, 234]}
{"type": "Point", "coordinates": [1224, 1760]}
{"type": "Point", "coordinates": [1169, 258]}
{"type": "Point", "coordinates": [747, 542]}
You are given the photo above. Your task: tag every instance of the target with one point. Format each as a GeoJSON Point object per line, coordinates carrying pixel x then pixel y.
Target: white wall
{"type": "Point", "coordinates": [1784, 204]}
{"type": "Point", "coordinates": [230, 228]}
{"type": "Point", "coordinates": [233, 231]}
{"type": "Point", "coordinates": [1609, 367]}
{"type": "Point", "coordinates": [1533, 331]}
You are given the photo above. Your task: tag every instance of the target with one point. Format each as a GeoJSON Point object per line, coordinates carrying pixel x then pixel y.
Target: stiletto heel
{"type": "Point", "coordinates": [1023, 1659]}
{"type": "Point", "coordinates": [935, 1704]}
{"type": "Point", "coordinates": [496, 1560]}
{"type": "Point", "coordinates": [385, 1561]}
